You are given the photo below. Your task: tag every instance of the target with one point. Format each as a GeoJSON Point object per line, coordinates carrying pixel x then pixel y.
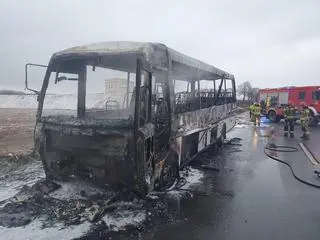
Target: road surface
{"type": "Point", "coordinates": [255, 197]}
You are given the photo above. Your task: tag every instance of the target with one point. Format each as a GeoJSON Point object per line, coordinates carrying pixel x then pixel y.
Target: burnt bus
{"type": "Point", "coordinates": [142, 137]}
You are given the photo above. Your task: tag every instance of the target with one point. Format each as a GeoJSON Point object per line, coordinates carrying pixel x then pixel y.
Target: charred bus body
{"type": "Point", "coordinates": [142, 140]}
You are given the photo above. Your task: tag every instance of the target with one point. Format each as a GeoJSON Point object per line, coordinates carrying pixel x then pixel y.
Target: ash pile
{"type": "Point", "coordinates": [65, 203]}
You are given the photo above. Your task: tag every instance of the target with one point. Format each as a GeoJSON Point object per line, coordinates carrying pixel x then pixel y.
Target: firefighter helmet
{"type": "Point", "coordinates": [303, 104]}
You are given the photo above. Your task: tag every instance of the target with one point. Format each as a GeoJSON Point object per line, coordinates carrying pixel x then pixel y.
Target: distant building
{"type": "Point", "coordinates": [116, 89]}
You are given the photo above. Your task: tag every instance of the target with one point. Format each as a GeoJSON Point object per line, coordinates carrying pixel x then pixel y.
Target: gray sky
{"type": "Point", "coordinates": [269, 43]}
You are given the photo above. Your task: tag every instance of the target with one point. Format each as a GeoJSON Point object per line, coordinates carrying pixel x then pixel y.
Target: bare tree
{"type": "Point", "coordinates": [253, 94]}
{"type": "Point", "coordinates": [244, 89]}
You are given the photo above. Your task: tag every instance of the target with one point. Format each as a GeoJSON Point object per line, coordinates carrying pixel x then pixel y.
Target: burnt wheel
{"type": "Point", "coordinates": [145, 171]}
{"type": "Point", "coordinates": [313, 120]}
{"type": "Point", "coordinates": [273, 117]}
{"type": "Point", "coordinates": [169, 172]}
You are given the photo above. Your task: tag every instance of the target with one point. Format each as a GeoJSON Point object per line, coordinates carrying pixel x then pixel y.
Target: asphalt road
{"type": "Point", "coordinates": [314, 143]}
{"type": "Point", "coordinates": [251, 197]}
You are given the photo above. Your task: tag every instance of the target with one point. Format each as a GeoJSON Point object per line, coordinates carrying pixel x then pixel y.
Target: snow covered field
{"type": "Point", "coordinates": [17, 117]}
{"type": "Point", "coordinates": [56, 101]}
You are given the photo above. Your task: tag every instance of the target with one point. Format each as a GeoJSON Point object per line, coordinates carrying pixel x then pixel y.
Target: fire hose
{"type": "Point", "coordinates": [280, 148]}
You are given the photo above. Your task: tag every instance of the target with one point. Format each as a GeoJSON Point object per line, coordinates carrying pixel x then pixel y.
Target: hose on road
{"type": "Point", "coordinates": [281, 148]}
{"type": "Point", "coordinates": [274, 147]}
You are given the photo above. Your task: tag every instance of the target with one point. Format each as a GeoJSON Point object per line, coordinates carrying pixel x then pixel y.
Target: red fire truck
{"type": "Point", "coordinates": [275, 99]}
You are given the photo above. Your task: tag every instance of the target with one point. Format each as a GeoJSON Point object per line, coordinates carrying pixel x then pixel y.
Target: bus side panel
{"type": "Point", "coordinates": [192, 144]}
{"type": "Point", "coordinates": [189, 147]}
{"type": "Point", "coordinates": [203, 140]}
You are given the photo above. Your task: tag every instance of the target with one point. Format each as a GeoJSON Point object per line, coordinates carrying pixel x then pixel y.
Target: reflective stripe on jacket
{"type": "Point", "coordinates": [289, 112]}
{"type": "Point", "coordinates": [256, 110]}
{"type": "Point", "coordinates": [304, 114]}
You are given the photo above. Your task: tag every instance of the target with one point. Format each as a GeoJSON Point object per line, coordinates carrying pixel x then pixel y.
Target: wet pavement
{"type": "Point", "coordinates": [295, 153]}
{"type": "Point", "coordinates": [258, 199]}
{"type": "Point", "coordinates": [314, 143]}
{"type": "Point", "coordinates": [242, 194]}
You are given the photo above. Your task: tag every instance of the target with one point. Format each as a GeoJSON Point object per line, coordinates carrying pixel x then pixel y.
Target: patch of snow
{"type": "Point", "coordinates": [18, 101]}
{"type": "Point", "coordinates": [241, 126]}
{"type": "Point", "coordinates": [120, 219]}
{"type": "Point", "coordinates": [179, 194]}
{"type": "Point", "coordinates": [34, 230]}
{"type": "Point", "coordinates": [194, 177]}
{"type": "Point", "coordinates": [8, 191]}
{"type": "Point", "coordinates": [153, 196]}
{"type": "Point", "coordinates": [133, 204]}
{"type": "Point", "coordinates": [12, 184]}
{"type": "Point", "coordinates": [73, 189]}
{"type": "Point", "coordinates": [52, 101]}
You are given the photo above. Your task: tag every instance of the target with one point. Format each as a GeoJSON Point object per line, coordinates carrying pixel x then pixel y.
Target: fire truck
{"type": "Point", "coordinates": [274, 100]}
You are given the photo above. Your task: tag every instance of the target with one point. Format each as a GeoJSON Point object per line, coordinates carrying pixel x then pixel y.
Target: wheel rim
{"type": "Point", "coordinates": [272, 115]}
{"type": "Point", "coordinates": [148, 176]}
{"type": "Point", "coordinates": [168, 175]}
{"type": "Point", "coordinates": [313, 120]}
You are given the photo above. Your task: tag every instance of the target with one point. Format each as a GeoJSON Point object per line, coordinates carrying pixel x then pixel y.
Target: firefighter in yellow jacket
{"type": "Point", "coordinates": [268, 103]}
{"type": "Point", "coordinates": [289, 115]}
{"type": "Point", "coordinates": [304, 119]}
{"type": "Point", "coordinates": [251, 110]}
{"type": "Point", "coordinates": [256, 112]}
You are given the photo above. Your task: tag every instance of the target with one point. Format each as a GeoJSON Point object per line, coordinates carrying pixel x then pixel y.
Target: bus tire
{"type": "Point", "coordinates": [144, 174]}
{"type": "Point", "coordinates": [313, 120]}
{"type": "Point", "coordinates": [273, 117]}
{"type": "Point", "coordinates": [170, 172]}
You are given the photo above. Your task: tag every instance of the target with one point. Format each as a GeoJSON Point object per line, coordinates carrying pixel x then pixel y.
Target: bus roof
{"type": "Point", "coordinates": [156, 55]}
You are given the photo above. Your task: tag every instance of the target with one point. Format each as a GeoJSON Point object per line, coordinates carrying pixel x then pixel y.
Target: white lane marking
{"type": "Point", "coordinates": [308, 154]}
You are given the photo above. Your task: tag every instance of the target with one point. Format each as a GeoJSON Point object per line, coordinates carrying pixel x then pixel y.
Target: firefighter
{"type": "Point", "coordinates": [304, 119]}
{"type": "Point", "coordinates": [251, 109]}
{"type": "Point", "coordinates": [268, 103]}
{"type": "Point", "coordinates": [256, 112]}
{"type": "Point", "coordinates": [289, 114]}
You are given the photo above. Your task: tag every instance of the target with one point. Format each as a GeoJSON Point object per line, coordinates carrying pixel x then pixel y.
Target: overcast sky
{"type": "Point", "coordinates": [269, 43]}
